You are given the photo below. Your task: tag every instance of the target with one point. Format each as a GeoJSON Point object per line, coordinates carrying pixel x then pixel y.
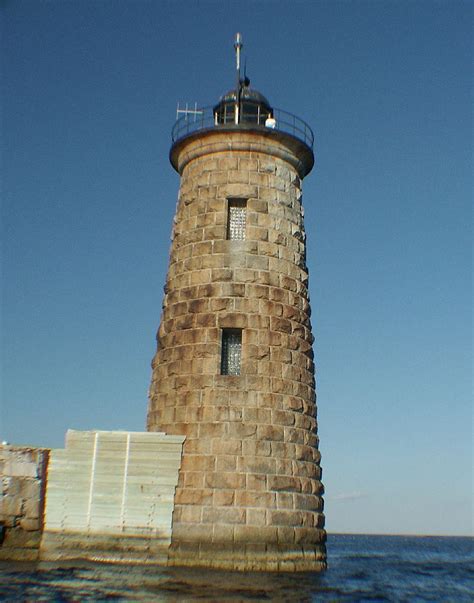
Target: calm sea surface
{"type": "Point", "coordinates": [361, 568]}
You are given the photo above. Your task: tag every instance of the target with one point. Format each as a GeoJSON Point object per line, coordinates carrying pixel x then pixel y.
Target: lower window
{"type": "Point", "coordinates": [231, 351]}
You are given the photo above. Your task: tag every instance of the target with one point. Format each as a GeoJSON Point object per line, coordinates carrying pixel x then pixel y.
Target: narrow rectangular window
{"type": "Point", "coordinates": [231, 353]}
{"type": "Point", "coordinates": [236, 219]}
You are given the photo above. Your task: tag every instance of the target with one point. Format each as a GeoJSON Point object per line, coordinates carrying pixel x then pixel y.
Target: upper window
{"type": "Point", "coordinates": [236, 219]}
{"type": "Point", "coordinates": [231, 353]}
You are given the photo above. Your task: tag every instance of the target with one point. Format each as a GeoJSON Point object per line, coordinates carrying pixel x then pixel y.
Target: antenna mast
{"type": "Point", "coordinates": [238, 45]}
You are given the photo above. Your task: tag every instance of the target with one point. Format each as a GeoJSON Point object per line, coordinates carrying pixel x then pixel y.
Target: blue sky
{"type": "Point", "coordinates": [89, 95]}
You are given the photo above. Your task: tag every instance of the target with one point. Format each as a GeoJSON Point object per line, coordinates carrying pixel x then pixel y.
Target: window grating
{"type": "Point", "coordinates": [237, 219]}
{"type": "Point", "coordinates": [231, 357]}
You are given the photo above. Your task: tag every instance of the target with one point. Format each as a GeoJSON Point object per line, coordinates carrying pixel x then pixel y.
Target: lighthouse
{"type": "Point", "coordinates": [234, 370]}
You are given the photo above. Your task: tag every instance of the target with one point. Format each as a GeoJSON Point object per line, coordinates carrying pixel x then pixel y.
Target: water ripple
{"type": "Point", "coordinates": [361, 568]}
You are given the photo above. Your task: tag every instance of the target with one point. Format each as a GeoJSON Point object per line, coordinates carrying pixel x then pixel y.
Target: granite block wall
{"type": "Point", "coordinates": [23, 475]}
{"type": "Point", "coordinates": [249, 494]}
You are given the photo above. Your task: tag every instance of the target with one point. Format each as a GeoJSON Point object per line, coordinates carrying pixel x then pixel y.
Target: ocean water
{"type": "Point", "coordinates": [361, 568]}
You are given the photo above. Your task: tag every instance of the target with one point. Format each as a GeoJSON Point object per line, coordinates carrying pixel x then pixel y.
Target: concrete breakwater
{"type": "Point", "coordinates": [107, 496]}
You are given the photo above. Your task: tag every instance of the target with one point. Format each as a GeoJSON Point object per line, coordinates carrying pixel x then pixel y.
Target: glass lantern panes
{"type": "Point", "coordinates": [231, 357]}
{"type": "Point", "coordinates": [237, 219]}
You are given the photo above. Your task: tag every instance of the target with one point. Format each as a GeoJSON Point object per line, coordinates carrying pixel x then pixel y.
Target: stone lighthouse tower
{"type": "Point", "coordinates": [234, 367]}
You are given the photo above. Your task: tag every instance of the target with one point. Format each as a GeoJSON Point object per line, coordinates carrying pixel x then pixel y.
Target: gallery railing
{"type": "Point", "coordinates": [207, 118]}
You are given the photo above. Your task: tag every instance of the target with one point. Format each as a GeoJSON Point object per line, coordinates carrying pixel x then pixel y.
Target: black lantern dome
{"type": "Point", "coordinates": [243, 105]}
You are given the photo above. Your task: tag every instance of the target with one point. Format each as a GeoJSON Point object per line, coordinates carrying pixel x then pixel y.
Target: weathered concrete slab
{"type": "Point", "coordinates": [110, 496]}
